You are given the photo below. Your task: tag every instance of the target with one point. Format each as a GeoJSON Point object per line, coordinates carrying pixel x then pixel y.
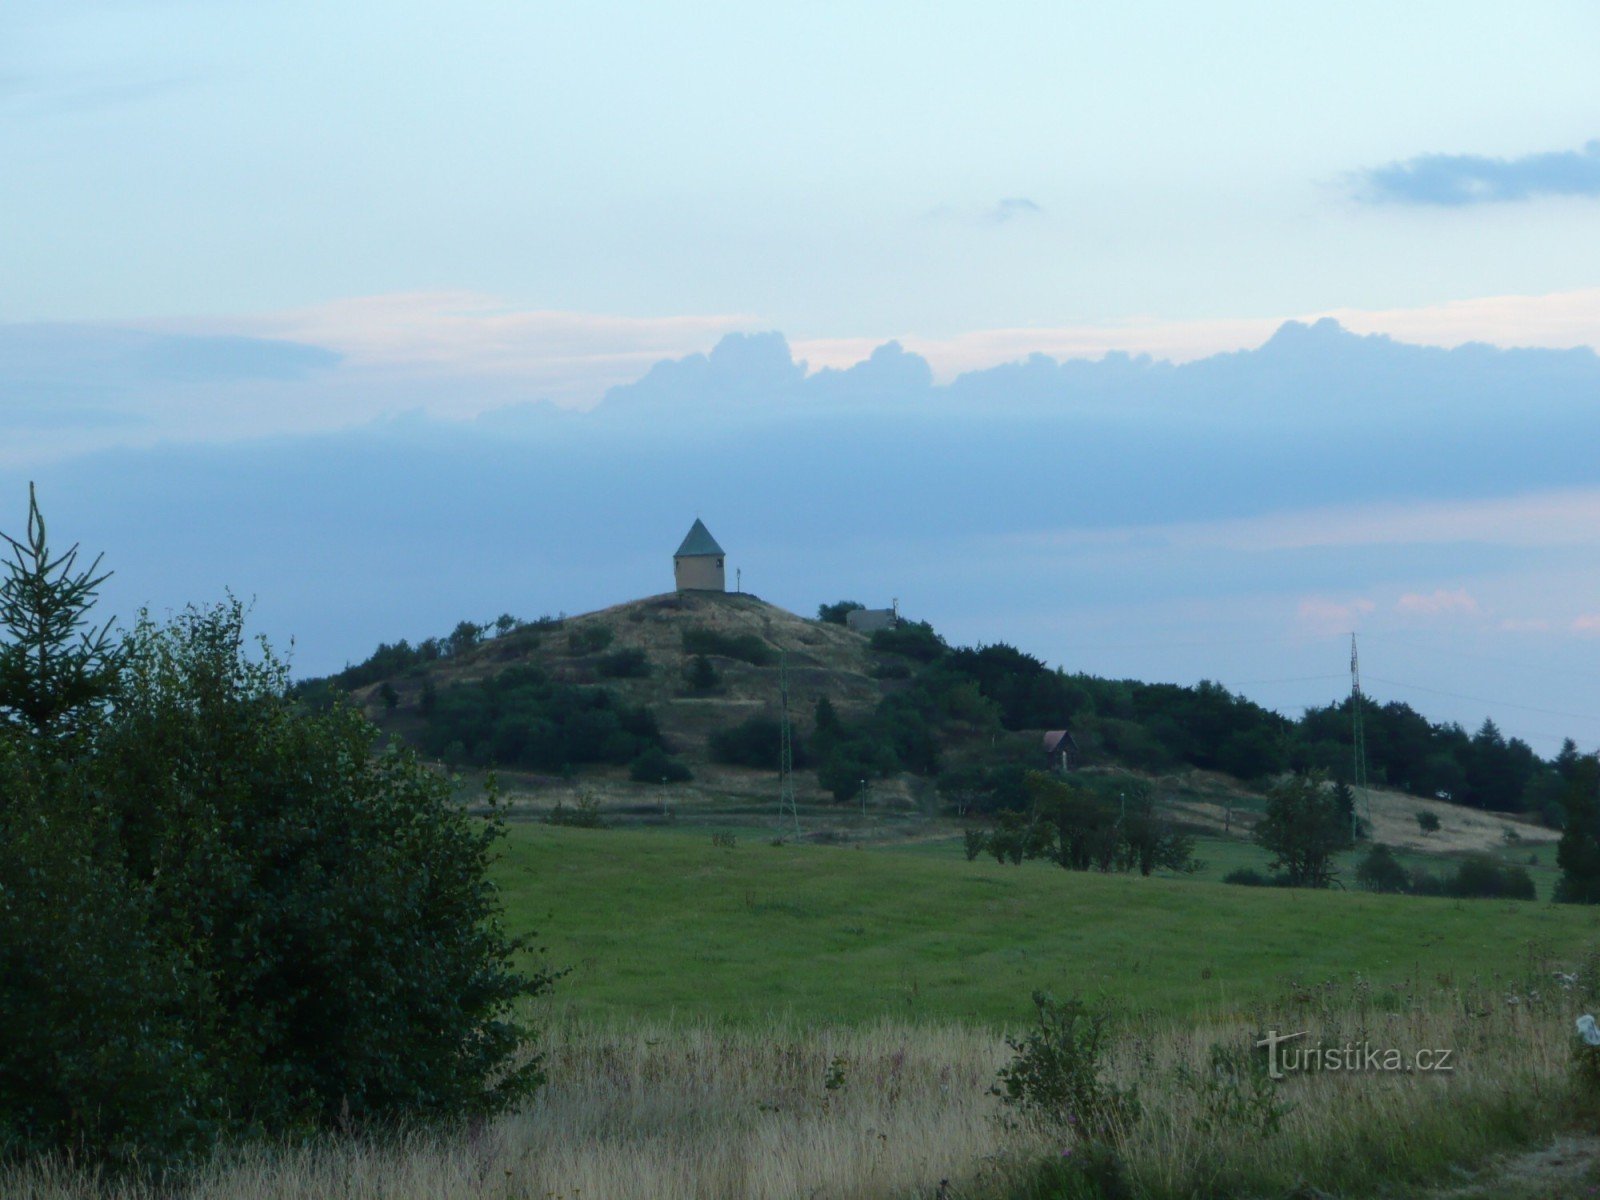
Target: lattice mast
{"type": "Point", "coordinates": [786, 801]}
{"type": "Point", "coordinates": [1358, 746]}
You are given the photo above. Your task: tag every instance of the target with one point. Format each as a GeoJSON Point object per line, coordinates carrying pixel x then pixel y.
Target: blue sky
{"type": "Point", "coordinates": [245, 244]}
{"type": "Point", "coordinates": [831, 169]}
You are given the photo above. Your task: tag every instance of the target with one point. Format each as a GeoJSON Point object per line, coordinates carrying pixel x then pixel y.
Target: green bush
{"type": "Point", "coordinates": [915, 640]}
{"type": "Point", "coordinates": [1056, 1074]}
{"type": "Point", "coordinates": [228, 913]}
{"type": "Point", "coordinates": [591, 639]}
{"type": "Point", "coordinates": [746, 647]}
{"type": "Point", "coordinates": [700, 675]}
{"type": "Point", "coordinates": [630, 663]}
{"type": "Point", "coordinates": [99, 1059]}
{"type": "Point", "coordinates": [1380, 871]}
{"type": "Point", "coordinates": [1479, 877]}
{"type": "Point", "coordinates": [754, 742]}
{"type": "Point", "coordinates": [1249, 877]}
{"type": "Point", "coordinates": [836, 614]}
{"type": "Point", "coordinates": [523, 718]}
{"type": "Point", "coordinates": [656, 766]}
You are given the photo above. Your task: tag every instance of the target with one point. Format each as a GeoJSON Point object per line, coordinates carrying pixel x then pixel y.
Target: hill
{"type": "Point", "coordinates": [642, 653]}
{"type": "Point", "coordinates": [606, 707]}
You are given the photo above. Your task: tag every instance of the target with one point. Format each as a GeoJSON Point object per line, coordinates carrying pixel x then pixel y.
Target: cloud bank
{"type": "Point", "coordinates": [1457, 180]}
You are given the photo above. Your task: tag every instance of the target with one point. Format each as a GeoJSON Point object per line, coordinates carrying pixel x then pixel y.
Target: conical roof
{"type": "Point", "coordinates": [699, 542]}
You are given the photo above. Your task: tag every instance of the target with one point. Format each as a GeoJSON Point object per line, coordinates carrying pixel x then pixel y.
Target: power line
{"type": "Point", "coordinates": [1549, 712]}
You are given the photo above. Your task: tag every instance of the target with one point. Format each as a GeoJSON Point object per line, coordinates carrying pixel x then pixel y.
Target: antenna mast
{"type": "Point", "coordinates": [786, 800]}
{"type": "Point", "coordinates": [1358, 744]}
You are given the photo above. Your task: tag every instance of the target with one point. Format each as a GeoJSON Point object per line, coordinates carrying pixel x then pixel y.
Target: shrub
{"type": "Point", "coordinates": [630, 663]}
{"type": "Point", "coordinates": [1249, 877]}
{"type": "Point", "coordinates": [974, 842]}
{"type": "Point", "coordinates": [746, 647]}
{"type": "Point", "coordinates": [1380, 871]}
{"type": "Point", "coordinates": [656, 766]}
{"type": "Point", "coordinates": [1479, 877]}
{"type": "Point", "coordinates": [230, 913]}
{"type": "Point", "coordinates": [915, 640]}
{"type": "Point", "coordinates": [836, 614]}
{"type": "Point", "coordinates": [1427, 822]}
{"type": "Point", "coordinates": [700, 675]}
{"type": "Point", "coordinates": [754, 742]}
{"type": "Point", "coordinates": [1056, 1074]}
{"type": "Point", "coordinates": [334, 899]}
{"type": "Point", "coordinates": [591, 639]}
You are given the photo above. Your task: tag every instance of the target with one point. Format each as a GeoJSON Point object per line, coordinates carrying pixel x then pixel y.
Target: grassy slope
{"type": "Point", "coordinates": [665, 924]}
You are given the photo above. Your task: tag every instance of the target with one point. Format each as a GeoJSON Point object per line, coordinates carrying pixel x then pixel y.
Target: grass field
{"type": "Point", "coordinates": [664, 925]}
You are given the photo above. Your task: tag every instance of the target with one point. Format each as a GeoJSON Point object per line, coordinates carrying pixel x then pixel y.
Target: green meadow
{"type": "Point", "coordinates": [667, 925]}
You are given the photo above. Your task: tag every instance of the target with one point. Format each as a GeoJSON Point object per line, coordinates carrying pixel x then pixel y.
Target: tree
{"type": "Point", "coordinates": [1578, 853]}
{"type": "Point", "coordinates": [1427, 822]}
{"type": "Point", "coordinates": [1303, 829]}
{"type": "Point", "coordinates": [56, 667]}
{"type": "Point", "coordinates": [228, 912]}
{"type": "Point", "coordinates": [835, 614]}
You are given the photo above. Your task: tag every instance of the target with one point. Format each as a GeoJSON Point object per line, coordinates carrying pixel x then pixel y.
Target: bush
{"type": "Point", "coordinates": [754, 742]}
{"type": "Point", "coordinates": [624, 664]}
{"type": "Point", "coordinates": [915, 640]}
{"type": "Point", "coordinates": [973, 843]}
{"type": "Point", "coordinates": [700, 675]}
{"type": "Point", "coordinates": [1055, 1076]}
{"type": "Point", "coordinates": [1381, 871]}
{"type": "Point", "coordinates": [656, 766]}
{"type": "Point", "coordinates": [252, 920]}
{"type": "Point", "coordinates": [591, 639]}
{"type": "Point", "coordinates": [1479, 877]}
{"type": "Point", "coordinates": [746, 647]}
{"type": "Point", "coordinates": [837, 614]}
{"type": "Point", "coordinates": [1427, 822]}
{"type": "Point", "coordinates": [1249, 877]}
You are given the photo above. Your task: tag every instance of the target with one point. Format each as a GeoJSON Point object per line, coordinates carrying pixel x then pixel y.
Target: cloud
{"type": "Point", "coordinates": [1587, 624]}
{"type": "Point", "coordinates": [1001, 212]}
{"type": "Point", "coordinates": [1012, 208]}
{"type": "Point", "coordinates": [1321, 615]}
{"type": "Point", "coordinates": [1456, 180]}
{"type": "Point", "coordinates": [569, 357]}
{"type": "Point", "coordinates": [1438, 603]}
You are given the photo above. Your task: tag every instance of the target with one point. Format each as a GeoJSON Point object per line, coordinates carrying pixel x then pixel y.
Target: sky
{"type": "Point", "coordinates": [265, 264]}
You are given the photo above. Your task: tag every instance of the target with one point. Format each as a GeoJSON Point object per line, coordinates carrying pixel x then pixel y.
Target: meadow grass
{"type": "Point", "coordinates": [907, 1111]}
{"type": "Point", "coordinates": [664, 925]}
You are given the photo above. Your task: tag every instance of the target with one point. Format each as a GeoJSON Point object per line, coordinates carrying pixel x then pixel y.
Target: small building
{"type": "Point", "coordinates": [1060, 749]}
{"type": "Point", "coordinates": [697, 566]}
{"type": "Point", "coordinates": [870, 620]}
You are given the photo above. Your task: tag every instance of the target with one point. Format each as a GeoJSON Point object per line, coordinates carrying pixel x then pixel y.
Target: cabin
{"type": "Point", "coordinates": [1060, 750]}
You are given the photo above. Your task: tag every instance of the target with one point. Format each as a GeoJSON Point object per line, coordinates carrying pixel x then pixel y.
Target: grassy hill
{"type": "Point", "coordinates": [640, 656]}
{"type": "Point", "coordinates": [667, 924]}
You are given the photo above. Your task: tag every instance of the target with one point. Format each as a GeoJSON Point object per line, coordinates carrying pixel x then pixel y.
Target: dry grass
{"type": "Point", "coordinates": [656, 1112]}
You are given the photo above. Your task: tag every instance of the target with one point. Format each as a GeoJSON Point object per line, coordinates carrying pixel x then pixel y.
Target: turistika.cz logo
{"type": "Point", "coordinates": [1286, 1054]}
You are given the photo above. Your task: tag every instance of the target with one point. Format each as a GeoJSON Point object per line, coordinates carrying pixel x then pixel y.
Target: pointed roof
{"type": "Point", "coordinates": [699, 542]}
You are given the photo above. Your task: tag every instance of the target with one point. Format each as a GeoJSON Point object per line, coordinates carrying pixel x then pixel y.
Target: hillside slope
{"type": "Point", "coordinates": [820, 658]}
